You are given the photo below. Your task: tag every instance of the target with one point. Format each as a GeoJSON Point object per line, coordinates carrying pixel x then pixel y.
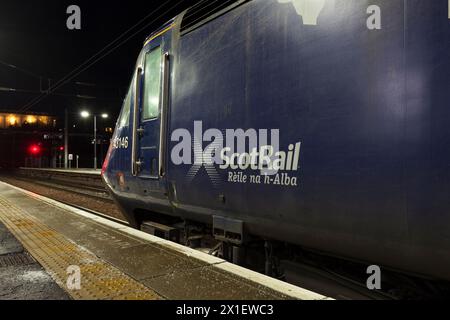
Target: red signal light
{"type": "Point", "coordinates": [61, 148]}
{"type": "Point", "coordinates": [35, 149]}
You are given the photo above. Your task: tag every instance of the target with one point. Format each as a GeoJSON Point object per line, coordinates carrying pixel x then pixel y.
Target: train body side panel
{"type": "Point", "coordinates": [370, 108]}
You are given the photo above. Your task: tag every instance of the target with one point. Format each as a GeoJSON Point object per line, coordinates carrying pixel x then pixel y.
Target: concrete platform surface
{"type": "Point", "coordinates": [118, 262]}
{"type": "Point", "coordinates": [80, 171]}
{"type": "Point", "coordinates": [8, 243]}
{"type": "Point", "coordinates": [21, 276]}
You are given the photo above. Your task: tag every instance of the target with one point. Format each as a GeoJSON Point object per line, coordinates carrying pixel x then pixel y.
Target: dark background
{"type": "Point", "coordinates": [34, 39]}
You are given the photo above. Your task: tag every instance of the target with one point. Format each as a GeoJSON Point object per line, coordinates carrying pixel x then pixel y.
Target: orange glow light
{"type": "Point", "coordinates": [12, 120]}
{"type": "Point", "coordinates": [31, 119]}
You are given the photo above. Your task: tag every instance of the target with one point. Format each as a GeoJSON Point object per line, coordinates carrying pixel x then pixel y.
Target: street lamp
{"type": "Point", "coordinates": [86, 114]}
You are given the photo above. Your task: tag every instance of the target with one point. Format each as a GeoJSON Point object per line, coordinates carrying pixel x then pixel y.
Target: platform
{"type": "Point", "coordinates": [21, 276]}
{"type": "Point", "coordinates": [95, 172]}
{"type": "Point", "coordinates": [118, 262]}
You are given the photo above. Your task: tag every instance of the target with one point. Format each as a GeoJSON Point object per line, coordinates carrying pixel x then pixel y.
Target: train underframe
{"type": "Point", "coordinates": [346, 279]}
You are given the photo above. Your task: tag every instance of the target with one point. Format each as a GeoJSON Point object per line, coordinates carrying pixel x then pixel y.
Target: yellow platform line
{"type": "Point", "coordinates": [56, 253]}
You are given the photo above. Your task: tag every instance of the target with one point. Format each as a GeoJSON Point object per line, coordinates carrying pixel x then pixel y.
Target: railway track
{"type": "Point", "coordinates": [86, 184]}
{"type": "Point", "coordinates": [91, 192]}
{"type": "Point", "coordinates": [99, 214]}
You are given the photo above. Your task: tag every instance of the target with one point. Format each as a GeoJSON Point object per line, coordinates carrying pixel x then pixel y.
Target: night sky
{"type": "Point", "coordinates": [36, 45]}
{"type": "Point", "coordinates": [34, 38]}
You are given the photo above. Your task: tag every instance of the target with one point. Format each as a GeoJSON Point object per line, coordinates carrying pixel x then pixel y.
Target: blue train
{"type": "Point", "coordinates": [318, 123]}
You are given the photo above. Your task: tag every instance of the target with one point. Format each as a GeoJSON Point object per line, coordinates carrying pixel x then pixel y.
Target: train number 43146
{"type": "Point", "coordinates": [120, 143]}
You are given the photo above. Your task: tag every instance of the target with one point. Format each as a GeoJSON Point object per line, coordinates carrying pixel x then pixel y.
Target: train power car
{"type": "Point", "coordinates": [323, 124]}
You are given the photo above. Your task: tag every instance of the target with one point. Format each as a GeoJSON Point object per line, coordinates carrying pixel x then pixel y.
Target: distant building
{"type": "Point", "coordinates": [26, 121]}
{"type": "Point", "coordinates": [20, 132]}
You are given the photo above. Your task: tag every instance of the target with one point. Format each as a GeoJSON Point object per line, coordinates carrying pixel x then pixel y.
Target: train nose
{"type": "Point", "coordinates": [106, 162]}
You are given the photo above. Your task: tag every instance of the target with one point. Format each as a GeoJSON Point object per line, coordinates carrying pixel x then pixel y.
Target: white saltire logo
{"type": "Point", "coordinates": [309, 10]}
{"type": "Point", "coordinates": [204, 158]}
{"type": "Point", "coordinates": [236, 151]}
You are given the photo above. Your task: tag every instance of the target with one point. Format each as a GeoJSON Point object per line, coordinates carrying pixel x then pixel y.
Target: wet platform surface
{"type": "Point", "coordinates": [21, 276]}
{"type": "Point", "coordinates": [117, 262]}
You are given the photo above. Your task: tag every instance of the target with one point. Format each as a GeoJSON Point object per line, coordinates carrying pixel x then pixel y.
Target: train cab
{"type": "Point", "coordinates": [135, 165]}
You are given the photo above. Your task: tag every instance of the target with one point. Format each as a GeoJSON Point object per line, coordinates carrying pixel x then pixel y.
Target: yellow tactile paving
{"type": "Point", "coordinates": [99, 280]}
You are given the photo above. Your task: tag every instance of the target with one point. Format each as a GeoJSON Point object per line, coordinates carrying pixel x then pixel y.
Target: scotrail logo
{"type": "Point", "coordinates": [237, 151]}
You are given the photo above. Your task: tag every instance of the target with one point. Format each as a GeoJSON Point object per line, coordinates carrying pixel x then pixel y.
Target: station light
{"type": "Point", "coordinates": [85, 114]}
{"type": "Point", "coordinates": [12, 120]}
{"type": "Point", "coordinates": [31, 119]}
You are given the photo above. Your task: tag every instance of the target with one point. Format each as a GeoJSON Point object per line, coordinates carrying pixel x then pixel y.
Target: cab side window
{"type": "Point", "coordinates": [152, 84]}
{"type": "Point", "coordinates": [124, 118]}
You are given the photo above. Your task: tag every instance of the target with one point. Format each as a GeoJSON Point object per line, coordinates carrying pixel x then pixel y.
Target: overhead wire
{"type": "Point", "coordinates": [99, 55]}
{"type": "Point", "coordinates": [20, 69]}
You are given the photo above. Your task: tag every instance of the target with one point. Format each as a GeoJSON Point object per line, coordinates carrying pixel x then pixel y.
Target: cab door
{"type": "Point", "coordinates": [150, 116]}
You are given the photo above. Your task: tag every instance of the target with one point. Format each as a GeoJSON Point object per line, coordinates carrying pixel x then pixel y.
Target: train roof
{"type": "Point", "coordinates": [197, 15]}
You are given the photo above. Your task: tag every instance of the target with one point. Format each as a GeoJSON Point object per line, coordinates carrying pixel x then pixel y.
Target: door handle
{"type": "Point", "coordinates": [140, 131]}
{"type": "Point", "coordinates": [137, 94]}
{"type": "Point", "coordinates": [164, 106]}
{"type": "Point", "coordinates": [139, 164]}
